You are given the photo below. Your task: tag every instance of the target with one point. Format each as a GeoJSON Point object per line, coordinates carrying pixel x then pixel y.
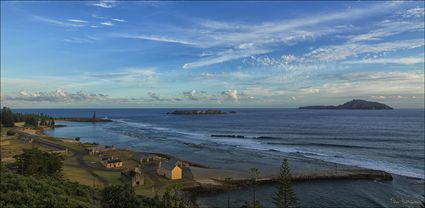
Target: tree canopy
{"type": "Point", "coordinates": [37, 163]}
{"type": "Point", "coordinates": [119, 196]}
{"type": "Point", "coordinates": [26, 191]}
{"type": "Point", "coordinates": [285, 196]}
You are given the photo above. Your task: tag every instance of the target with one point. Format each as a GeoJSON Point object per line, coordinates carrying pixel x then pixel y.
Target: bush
{"type": "Point", "coordinates": [27, 191]}
{"type": "Point", "coordinates": [36, 162]}
{"type": "Point", "coordinates": [11, 132]}
{"type": "Point", "coordinates": [119, 196]}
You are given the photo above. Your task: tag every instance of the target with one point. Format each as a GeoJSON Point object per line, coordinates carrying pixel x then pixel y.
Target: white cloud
{"type": "Point", "coordinates": [129, 75]}
{"type": "Point", "coordinates": [231, 95]}
{"type": "Point", "coordinates": [76, 20]}
{"type": "Point", "coordinates": [373, 83]}
{"type": "Point", "coordinates": [119, 20]}
{"type": "Point", "coordinates": [405, 60]}
{"type": "Point", "coordinates": [191, 95]}
{"type": "Point", "coordinates": [388, 28]}
{"type": "Point", "coordinates": [223, 56]}
{"type": "Point", "coordinates": [107, 23]}
{"type": "Point", "coordinates": [57, 96]}
{"type": "Point", "coordinates": [232, 41]}
{"type": "Point", "coordinates": [414, 12]}
{"type": "Point", "coordinates": [341, 52]}
{"type": "Point", "coordinates": [105, 4]}
{"type": "Point", "coordinates": [155, 96]}
{"type": "Point", "coordinates": [154, 38]}
{"type": "Point", "coordinates": [58, 22]}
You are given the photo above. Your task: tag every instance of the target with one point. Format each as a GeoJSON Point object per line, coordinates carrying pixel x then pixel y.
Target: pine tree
{"type": "Point", "coordinates": [254, 174]}
{"type": "Point", "coordinates": [7, 117]}
{"type": "Point", "coordinates": [285, 196]}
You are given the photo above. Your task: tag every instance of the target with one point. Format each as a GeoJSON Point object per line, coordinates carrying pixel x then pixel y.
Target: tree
{"type": "Point", "coordinates": [26, 191]}
{"type": "Point", "coordinates": [37, 163]}
{"type": "Point", "coordinates": [31, 120]}
{"type": "Point", "coordinates": [119, 196]}
{"type": "Point", "coordinates": [285, 196]}
{"type": "Point", "coordinates": [228, 180]}
{"type": "Point", "coordinates": [254, 176]}
{"type": "Point", "coordinates": [7, 117]}
{"type": "Point", "coordinates": [52, 123]}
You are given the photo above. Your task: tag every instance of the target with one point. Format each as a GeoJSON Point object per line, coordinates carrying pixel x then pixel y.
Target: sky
{"type": "Point", "coordinates": [113, 54]}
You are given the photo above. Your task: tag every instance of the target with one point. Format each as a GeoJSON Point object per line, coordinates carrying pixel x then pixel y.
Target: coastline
{"type": "Point", "coordinates": [212, 180]}
{"type": "Point", "coordinates": [218, 175]}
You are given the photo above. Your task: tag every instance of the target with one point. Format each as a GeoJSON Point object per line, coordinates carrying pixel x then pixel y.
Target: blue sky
{"type": "Point", "coordinates": [211, 54]}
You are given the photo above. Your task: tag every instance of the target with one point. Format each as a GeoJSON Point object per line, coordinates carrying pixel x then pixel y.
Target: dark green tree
{"type": "Point", "coordinates": [119, 196]}
{"type": "Point", "coordinates": [254, 176]}
{"type": "Point", "coordinates": [37, 163]}
{"type": "Point", "coordinates": [7, 117]}
{"type": "Point", "coordinates": [285, 196]}
{"type": "Point", "coordinates": [26, 191]}
{"type": "Point", "coordinates": [31, 120]}
{"type": "Point", "coordinates": [228, 180]}
{"type": "Point", "coordinates": [167, 200]}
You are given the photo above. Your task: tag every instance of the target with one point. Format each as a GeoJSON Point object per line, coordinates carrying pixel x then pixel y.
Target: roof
{"type": "Point", "coordinates": [113, 160]}
{"type": "Point", "coordinates": [141, 155]}
{"type": "Point", "coordinates": [130, 173]}
{"type": "Point", "coordinates": [170, 164]}
{"type": "Point", "coordinates": [96, 148]}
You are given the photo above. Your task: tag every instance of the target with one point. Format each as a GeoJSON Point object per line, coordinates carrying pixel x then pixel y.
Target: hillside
{"type": "Point", "coordinates": [354, 104]}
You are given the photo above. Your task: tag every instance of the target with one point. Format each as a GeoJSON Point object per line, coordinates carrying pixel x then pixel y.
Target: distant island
{"type": "Point", "coordinates": [354, 104]}
{"type": "Point", "coordinates": [197, 112]}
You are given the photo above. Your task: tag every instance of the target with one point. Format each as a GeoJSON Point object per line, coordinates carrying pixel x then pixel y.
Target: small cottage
{"type": "Point", "coordinates": [111, 162]}
{"type": "Point", "coordinates": [98, 149]}
{"type": "Point", "coordinates": [172, 169]}
{"type": "Point", "coordinates": [133, 177]}
{"type": "Point", "coordinates": [143, 157]}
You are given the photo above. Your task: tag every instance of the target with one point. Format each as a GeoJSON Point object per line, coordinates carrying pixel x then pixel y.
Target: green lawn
{"type": "Point", "coordinates": [80, 175]}
{"type": "Point", "coordinates": [155, 184]}
{"type": "Point", "coordinates": [111, 177]}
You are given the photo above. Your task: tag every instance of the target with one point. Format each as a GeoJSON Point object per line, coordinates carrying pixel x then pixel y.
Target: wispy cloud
{"type": "Point", "coordinates": [154, 38]}
{"type": "Point", "coordinates": [77, 20]}
{"type": "Point", "coordinates": [105, 4]}
{"type": "Point", "coordinates": [58, 22]}
{"type": "Point", "coordinates": [119, 20]}
{"type": "Point", "coordinates": [223, 56]}
{"type": "Point", "coordinates": [406, 61]}
{"type": "Point", "coordinates": [107, 23]}
{"type": "Point", "coordinates": [129, 76]}
{"type": "Point", "coordinates": [231, 95]}
{"type": "Point", "coordinates": [343, 51]}
{"type": "Point", "coordinates": [232, 41]}
{"type": "Point", "coordinates": [414, 12]}
{"type": "Point", "coordinates": [55, 96]}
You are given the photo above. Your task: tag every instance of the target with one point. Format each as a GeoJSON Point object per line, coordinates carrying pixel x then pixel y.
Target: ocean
{"type": "Point", "coordinates": [389, 140]}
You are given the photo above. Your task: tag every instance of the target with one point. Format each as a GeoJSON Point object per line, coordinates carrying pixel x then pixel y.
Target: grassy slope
{"type": "Point", "coordinates": [80, 167]}
{"type": "Point", "coordinates": [23, 191]}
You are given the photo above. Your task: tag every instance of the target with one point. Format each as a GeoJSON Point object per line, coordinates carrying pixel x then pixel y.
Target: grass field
{"type": "Point", "coordinates": [80, 175]}
{"type": "Point", "coordinates": [86, 169]}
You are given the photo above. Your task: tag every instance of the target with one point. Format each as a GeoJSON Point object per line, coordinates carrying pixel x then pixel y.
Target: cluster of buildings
{"type": "Point", "coordinates": [169, 168]}
{"type": "Point", "coordinates": [111, 162]}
